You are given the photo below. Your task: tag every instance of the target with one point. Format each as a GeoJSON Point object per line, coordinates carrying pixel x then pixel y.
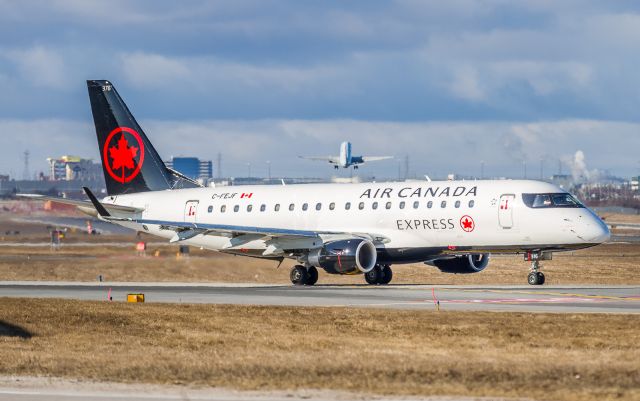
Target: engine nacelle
{"type": "Point", "coordinates": [463, 264]}
{"type": "Point", "coordinates": [348, 256]}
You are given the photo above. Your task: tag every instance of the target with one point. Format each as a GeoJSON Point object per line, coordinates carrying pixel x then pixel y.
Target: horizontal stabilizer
{"type": "Point", "coordinates": [83, 205]}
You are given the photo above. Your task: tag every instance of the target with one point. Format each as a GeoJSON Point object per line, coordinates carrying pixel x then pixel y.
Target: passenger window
{"type": "Point", "coordinates": [401, 205]}
{"type": "Point", "coordinates": [388, 205]}
{"type": "Point", "coordinates": [416, 204]}
{"type": "Point", "coordinates": [249, 208]}
{"type": "Point", "coordinates": [236, 208]}
{"type": "Point", "coordinates": [305, 206]}
{"type": "Point", "coordinates": [318, 206]}
{"type": "Point", "coordinates": [347, 206]}
{"type": "Point", "coordinates": [277, 207]}
{"type": "Point", "coordinates": [361, 205]}
{"type": "Point", "coordinates": [291, 207]}
{"type": "Point", "coordinates": [223, 208]}
{"type": "Point", "coordinates": [374, 205]}
{"type": "Point", "coordinates": [443, 204]}
{"type": "Point", "coordinates": [472, 203]}
{"type": "Point", "coordinates": [429, 205]}
{"type": "Point", "coordinates": [263, 207]}
{"type": "Point", "coordinates": [332, 205]}
{"type": "Point", "coordinates": [457, 205]}
{"type": "Point", "coordinates": [210, 209]}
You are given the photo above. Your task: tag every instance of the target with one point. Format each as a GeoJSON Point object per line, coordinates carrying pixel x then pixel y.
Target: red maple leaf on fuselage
{"type": "Point", "coordinates": [467, 224]}
{"type": "Point", "coordinates": [123, 154]}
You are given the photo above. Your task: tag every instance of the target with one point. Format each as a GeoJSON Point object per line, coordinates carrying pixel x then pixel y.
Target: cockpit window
{"type": "Point", "coordinates": [539, 201]}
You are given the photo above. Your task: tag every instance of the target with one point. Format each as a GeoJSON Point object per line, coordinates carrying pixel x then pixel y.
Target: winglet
{"type": "Point", "coordinates": [101, 210]}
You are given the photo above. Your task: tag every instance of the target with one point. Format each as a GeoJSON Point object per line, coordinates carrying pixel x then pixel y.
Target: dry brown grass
{"type": "Point", "coordinates": [543, 356]}
{"type": "Point", "coordinates": [605, 264]}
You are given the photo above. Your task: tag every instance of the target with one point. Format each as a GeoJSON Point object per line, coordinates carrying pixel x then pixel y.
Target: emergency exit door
{"type": "Point", "coordinates": [505, 212]}
{"type": "Point", "coordinates": [190, 210]}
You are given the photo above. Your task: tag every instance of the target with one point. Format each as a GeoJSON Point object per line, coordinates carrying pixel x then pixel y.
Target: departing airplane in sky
{"type": "Point", "coordinates": [341, 228]}
{"type": "Point", "coordinates": [346, 159]}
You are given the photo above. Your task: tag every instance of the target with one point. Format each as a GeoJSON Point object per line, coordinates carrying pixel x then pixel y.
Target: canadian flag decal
{"type": "Point", "coordinates": [246, 195]}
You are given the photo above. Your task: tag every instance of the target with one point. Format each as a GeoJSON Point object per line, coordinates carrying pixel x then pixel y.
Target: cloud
{"type": "Point", "coordinates": [40, 66]}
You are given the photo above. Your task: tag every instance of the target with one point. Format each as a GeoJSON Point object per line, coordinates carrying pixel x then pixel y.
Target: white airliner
{"type": "Point", "coordinates": [341, 228]}
{"type": "Point", "coordinates": [346, 159]}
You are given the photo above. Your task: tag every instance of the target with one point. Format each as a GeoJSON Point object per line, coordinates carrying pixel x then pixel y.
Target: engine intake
{"type": "Point", "coordinates": [463, 264]}
{"type": "Point", "coordinates": [348, 256]}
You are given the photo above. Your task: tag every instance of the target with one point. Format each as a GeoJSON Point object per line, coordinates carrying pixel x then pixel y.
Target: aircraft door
{"type": "Point", "coordinates": [505, 212]}
{"type": "Point", "coordinates": [190, 210]}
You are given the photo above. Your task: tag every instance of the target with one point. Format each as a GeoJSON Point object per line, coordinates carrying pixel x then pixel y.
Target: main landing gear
{"type": "Point", "coordinates": [536, 277]}
{"type": "Point", "coordinates": [301, 275]}
{"type": "Point", "coordinates": [380, 274]}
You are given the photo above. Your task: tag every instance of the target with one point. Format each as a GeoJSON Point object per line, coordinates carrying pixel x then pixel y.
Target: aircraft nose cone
{"type": "Point", "coordinates": [598, 231]}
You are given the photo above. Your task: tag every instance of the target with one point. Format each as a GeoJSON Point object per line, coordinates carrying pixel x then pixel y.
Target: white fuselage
{"type": "Point", "coordinates": [411, 221]}
{"type": "Point", "coordinates": [345, 155]}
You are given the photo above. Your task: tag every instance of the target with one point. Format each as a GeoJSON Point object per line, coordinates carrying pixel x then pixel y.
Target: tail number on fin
{"type": "Point", "coordinates": [123, 154]}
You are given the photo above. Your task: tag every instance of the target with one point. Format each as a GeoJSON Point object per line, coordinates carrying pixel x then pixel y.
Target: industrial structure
{"type": "Point", "coordinates": [192, 167]}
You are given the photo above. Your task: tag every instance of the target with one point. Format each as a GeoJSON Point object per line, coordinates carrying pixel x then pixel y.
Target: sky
{"type": "Point", "coordinates": [452, 85]}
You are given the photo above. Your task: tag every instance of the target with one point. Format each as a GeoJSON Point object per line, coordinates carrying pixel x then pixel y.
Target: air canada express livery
{"type": "Point", "coordinates": [342, 228]}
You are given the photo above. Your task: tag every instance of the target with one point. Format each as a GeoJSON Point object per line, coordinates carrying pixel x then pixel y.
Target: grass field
{"type": "Point", "coordinates": [84, 257]}
{"type": "Point", "coordinates": [542, 356]}
{"type": "Point", "coordinates": [114, 258]}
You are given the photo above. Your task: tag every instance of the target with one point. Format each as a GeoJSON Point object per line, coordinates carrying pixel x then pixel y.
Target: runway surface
{"type": "Point", "coordinates": [559, 299]}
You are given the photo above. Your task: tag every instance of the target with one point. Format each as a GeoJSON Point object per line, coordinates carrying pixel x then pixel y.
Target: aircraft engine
{"type": "Point", "coordinates": [463, 264]}
{"type": "Point", "coordinates": [348, 256]}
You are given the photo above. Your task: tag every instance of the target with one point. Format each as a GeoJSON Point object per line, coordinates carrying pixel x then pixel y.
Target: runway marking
{"type": "Point", "coordinates": [560, 294]}
{"type": "Point", "coordinates": [521, 300]}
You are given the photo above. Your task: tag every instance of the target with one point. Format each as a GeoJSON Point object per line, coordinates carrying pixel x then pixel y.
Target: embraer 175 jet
{"type": "Point", "coordinates": [341, 228]}
{"type": "Point", "coordinates": [346, 159]}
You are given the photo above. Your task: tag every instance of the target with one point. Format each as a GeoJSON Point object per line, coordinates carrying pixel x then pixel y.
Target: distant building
{"type": "Point", "coordinates": [564, 181]}
{"type": "Point", "coordinates": [634, 184]}
{"type": "Point", "coordinates": [72, 168]}
{"type": "Point", "coordinates": [192, 167]}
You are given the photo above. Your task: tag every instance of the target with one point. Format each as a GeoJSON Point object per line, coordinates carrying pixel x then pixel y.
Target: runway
{"type": "Point", "coordinates": [556, 299]}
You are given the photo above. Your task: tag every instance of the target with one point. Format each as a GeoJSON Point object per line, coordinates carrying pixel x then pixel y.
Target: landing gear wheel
{"type": "Point", "coordinates": [299, 275]}
{"type": "Point", "coordinates": [374, 275]}
{"type": "Point", "coordinates": [387, 275]}
{"type": "Point", "coordinates": [312, 278]}
{"type": "Point", "coordinates": [535, 278]}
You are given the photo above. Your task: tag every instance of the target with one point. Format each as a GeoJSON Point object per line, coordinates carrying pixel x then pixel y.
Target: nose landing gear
{"type": "Point", "coordinates": [536, 277]}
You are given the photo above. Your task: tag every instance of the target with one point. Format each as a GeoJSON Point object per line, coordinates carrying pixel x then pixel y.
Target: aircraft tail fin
{"type": "Point", "coordinates": [129, 161]}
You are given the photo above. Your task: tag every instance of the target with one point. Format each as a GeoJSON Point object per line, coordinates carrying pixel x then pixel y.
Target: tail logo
{"type": "Point", "coordinates": [123, 154]}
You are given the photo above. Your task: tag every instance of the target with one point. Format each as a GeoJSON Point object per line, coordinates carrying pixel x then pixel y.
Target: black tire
{"type": "Point", "coordinates": [533, 279]}
{"type": "Point", "coordinates": [373, 276]}
{"type": "Point", "coordinates": [299, 275]}
{"type": "Point", "coordinates": [541, 278]}
{"type": "Point", "coordinates": [387, 275]}
{"type": "Point", "coordinates": [312, 276]}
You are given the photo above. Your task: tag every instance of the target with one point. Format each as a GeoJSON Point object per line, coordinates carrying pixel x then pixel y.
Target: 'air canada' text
{"type": "Point", "coordinates": [409, 192]}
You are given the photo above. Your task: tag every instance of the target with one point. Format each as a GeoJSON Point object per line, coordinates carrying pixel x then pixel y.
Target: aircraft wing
{"type": "Point", "coordinates": [375, 158]}
{"type": "Point", "coordinates": [82, 205]}
{"type": "Point", "coordinates": [278, 237]}
{"type": "Point", "coordinates": [330, 159]}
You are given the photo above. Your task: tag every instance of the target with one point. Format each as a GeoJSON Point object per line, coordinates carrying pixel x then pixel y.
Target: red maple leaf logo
{"type": "Point", "coordinates": [123, 155]}
{"type": "Point", "coordinates": [467, 224]}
